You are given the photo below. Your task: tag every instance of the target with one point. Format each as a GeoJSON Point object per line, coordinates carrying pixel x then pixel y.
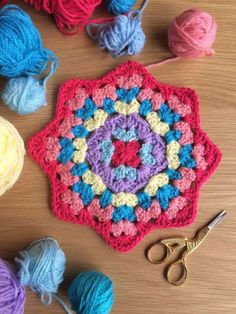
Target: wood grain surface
{"type": "Point", "coordinates": [140, 287]}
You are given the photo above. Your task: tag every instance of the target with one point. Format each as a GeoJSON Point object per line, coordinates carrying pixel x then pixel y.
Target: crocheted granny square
{"type": "Point", "coordinates": [125, 154]}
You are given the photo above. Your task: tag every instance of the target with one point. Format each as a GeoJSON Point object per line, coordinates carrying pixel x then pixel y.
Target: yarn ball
{"type": "Point", "coordinates": [24, 95]}
{"type": "Point", "coordinates": [123, 36]}
{"type": "Point", "coordinates": [12, 294]}
{"type": "Point", "coordinates": [41, 267]}
{"type": "Point", "coordinates": [68, 15]}
{"type": "Point", "coordinates": [12, 153]}
{"type": "Point", "coordinates": [192, 34]}
{"type": "Point", "coordinates": [91, 292]}
{"type": "Point", "coordinates": [22, 51]}
{"type": "Point", "coordinates": [120, 6]}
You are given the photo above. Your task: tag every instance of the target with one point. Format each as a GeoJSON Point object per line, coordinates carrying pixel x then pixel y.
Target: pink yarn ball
{"type": "Point", "coordinates": [12, 294]}
{"type": "Point", "coordinates": [192, 34]}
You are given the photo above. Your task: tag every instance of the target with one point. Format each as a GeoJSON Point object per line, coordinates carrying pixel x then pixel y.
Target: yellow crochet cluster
{"type": "Point", "coordinates": [81, 148]}
{"type": "Point", "coordinates": [156, 125]}
{"type": "Point", "coordinates": [127, 109]}
{"type": "Point", "coordinates": [95, 181]}
{"type": "Point", "coordinates": [122, 198]}
{"type": "Point", "coordinates": [98, 120]}
{"type": "Point", "coordinates": [156, 182]}
{"type": "Point", "coordinates": [172, 151]}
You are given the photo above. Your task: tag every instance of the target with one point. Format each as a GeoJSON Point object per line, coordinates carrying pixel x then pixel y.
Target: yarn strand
{"type": "Point", "coordinates": [168, 60]}
{"type": "Point", "coordinates": [50, 74]}
{"type": "Point", "coordinates": [143, 6]}
{"type": "Point", "coordinates": [62, 303]}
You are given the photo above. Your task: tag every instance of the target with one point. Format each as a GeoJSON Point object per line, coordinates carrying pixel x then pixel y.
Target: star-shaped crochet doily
{"type": "Point", "coordinates": [125, 154]}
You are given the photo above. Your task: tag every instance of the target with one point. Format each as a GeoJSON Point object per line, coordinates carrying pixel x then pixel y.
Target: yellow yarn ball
{"type": "Point", "coordinates": [11, 155]}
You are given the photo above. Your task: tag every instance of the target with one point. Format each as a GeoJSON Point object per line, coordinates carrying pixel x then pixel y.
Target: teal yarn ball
{"type": "Point", "coordinates": [24, 95]}
{"type": "Point", "coordinates": [91, 292]}
{"type": "Point", "coordinates": [41, 267]}
{"type": "Point", "coordinates": [120, 6]}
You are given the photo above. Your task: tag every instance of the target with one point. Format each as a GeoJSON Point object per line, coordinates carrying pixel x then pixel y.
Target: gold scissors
{"type": "Point", "coordinates": [190, 245]}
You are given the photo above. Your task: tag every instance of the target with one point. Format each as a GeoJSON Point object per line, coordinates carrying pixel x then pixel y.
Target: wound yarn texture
{"type": "Point", "coordinates": [192, 34]}
{"type": "Point", "coordinates": [121, 6]}
{"type": "Point", "coordinates": [24, 54]}
{"type": "Point", "coordinates": [24, 95]}
{"type": "Point", "coordinates": [23, 57]}
{"type": "Point", "coordinates": [70, 16]}
{"type": "Point", "coordinates": [91, 292]}
{"type": "Point", "coordinates": [41, 268]}
{"type": "Point", "coordinates": [12, 153]}
{"type": "Point", "coordinates": [123, 36]}
{"type": "Point", "coordinates": [12, 294]}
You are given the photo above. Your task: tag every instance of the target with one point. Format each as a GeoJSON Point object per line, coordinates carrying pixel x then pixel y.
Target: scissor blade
{"type": "Point", "coordinates": [217, 219]}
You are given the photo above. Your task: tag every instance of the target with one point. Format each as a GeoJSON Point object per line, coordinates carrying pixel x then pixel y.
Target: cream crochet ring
{"type": "Point", "coordinates": [12, 153]}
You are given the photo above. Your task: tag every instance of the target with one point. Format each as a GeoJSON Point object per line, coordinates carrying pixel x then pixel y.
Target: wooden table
{"type": "Point", "coordinates": [139, 286]}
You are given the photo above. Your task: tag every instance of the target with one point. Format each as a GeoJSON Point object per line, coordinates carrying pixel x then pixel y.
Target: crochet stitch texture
{"type": "Point", "coordinates": [125, 154]}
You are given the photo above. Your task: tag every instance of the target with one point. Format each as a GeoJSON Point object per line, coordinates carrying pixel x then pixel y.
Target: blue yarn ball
{"type": "Point", "coordinates": [24, 95]}
{"type": "Point", "coordinates": [91, 292]}
{"type": "Point", "coordinates": [41, 267]}
{"type": "Point", "coordinates": [123, 36]}
{"type": "Point", "coordinates": [22, 51]}
{"type": "Point", "coordinates": [120, 6]}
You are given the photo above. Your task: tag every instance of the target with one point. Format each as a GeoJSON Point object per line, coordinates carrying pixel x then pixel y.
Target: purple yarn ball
{"type": "Point", "coordinates": [12, 294]}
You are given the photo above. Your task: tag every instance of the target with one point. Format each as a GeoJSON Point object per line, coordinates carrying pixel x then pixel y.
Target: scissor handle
{"type": "Point", "coordinates": [184, 272]}
{"type": "Point", "coordinates": [170, 245]}
{"type": "Point", "coordinates": [167, 253]}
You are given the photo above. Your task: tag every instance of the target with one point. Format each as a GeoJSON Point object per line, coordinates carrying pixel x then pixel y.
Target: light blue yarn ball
{"type": "Point", "coordinates": [120, 6]}
{"type": "Point", "coordinates": [123, 36]}
{"type": "Point", "coordinates": [41, 267]}
{"type": "Point", "coordinates": [24, 95]}
{"type": "Point", "coordinates": [91, 292]}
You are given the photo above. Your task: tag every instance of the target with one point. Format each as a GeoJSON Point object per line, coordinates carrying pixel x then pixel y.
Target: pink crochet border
{"type": "Point", "coordinates": [36, 148]}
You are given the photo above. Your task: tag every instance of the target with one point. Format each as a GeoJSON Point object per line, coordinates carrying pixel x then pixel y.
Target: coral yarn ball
{"type": "Point", "coordinates": [192, 34]}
